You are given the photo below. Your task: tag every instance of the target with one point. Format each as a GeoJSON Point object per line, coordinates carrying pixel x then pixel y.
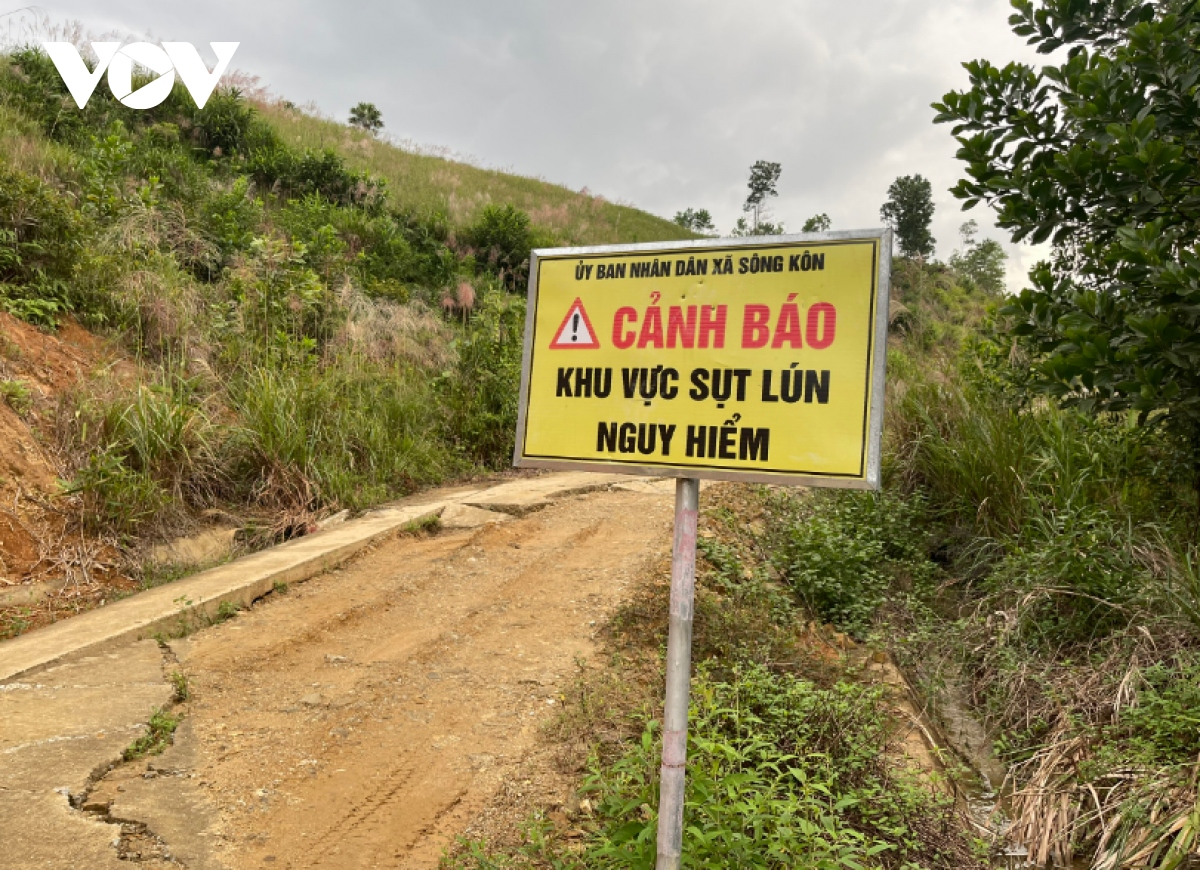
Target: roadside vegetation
{"type": "Point", "coordinates": [1033, 558]}
{"type": "Point", "coordinates": [1031, 564]}
{"type": "Point", "coordinates": [319, 320]}
{"type": "Point", "coordinates": [795, 755]}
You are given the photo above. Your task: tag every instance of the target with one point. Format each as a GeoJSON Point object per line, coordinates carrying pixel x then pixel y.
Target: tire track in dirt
{"type": "Point", "coordinates": [364, 719]}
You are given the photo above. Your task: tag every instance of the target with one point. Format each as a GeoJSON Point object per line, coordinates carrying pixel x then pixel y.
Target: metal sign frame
{"type": "Point", "coordinates": [877, 347]}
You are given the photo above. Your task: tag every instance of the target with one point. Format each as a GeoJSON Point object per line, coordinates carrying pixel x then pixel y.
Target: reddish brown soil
{"type": "Point", "coordinates": [48, 569]}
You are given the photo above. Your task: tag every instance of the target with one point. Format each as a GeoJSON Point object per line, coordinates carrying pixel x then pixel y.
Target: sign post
{"type": "Point", "coordinates": [679, 674]}
{"type": "Point", "coordinates": [752, 359]}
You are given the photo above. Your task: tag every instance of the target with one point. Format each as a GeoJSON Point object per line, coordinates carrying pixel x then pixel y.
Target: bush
{"type": "Point", "coordinates": [482, 392]}
{"type": "Point", "coordinates": [227, 125]}
{"type": "Point", "coordinates": [290, 173]}
{"type": "Point", "coordinates": [351, 433]}
{"type": "Point", "coordinates": [1077, 572]}
{"type": "Point", "coordinates": [502, 239]}
{"type": "Point", "coordinates": [146, 453]}
{"type": "Point", "coordinates": [231, 217]}
{"type": "Point", "coordinates": [781, 774]}
{"type": "Point", "coordinates": [842, 552]}
{"type": "Point", "coordinates": [41, 238]}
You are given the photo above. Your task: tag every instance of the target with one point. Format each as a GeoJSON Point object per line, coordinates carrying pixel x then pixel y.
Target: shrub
{"type": "Point", "coordinates": [502, 238]}
{"type": "Point", "coordinates": [350, 433]}
{"type": "Point", "coordinates": [145, 453]}
{"type": "Point", "coordinates": [1077, 572]}
{"type": "Point", "coordinates": [482, 392]}
{"type": "Point", "coordinates": [231, 216]}
{"type": "Point", "coordinates": [291, 174]}
{"type": "Point", "coordinates": [843, 551]}
{"type": "Point", "coordinates": [41, 238]}
{"type": "Point", "coordinates": [781, 774]}
{"type": "Point", "coordinates": [226, 125]}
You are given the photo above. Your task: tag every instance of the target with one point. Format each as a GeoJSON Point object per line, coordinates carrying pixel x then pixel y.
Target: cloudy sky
{"type": "Point", "coordinates": [660, 103]}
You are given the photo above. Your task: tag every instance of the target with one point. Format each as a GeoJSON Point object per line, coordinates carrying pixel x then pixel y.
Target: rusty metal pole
{"type": "Point", "coordinates": [679, 674]}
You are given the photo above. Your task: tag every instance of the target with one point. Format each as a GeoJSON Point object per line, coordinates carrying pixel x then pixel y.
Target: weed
{"type": "Point", "coordinates": [15, 622]}
{"type": "Point", "coordinates": [429, 525]}
{"type": "Point", "coordinates": [17, 396]}
{"type": "Point", "coordinates": [788, 762]}
{"type": "Point", "coordinates": [781, 774]}
{"type": "Point", "coordinates": [279, 587]}
{"type": "Point", "coordinates": [158, 736]}
{"type": "Point", "coordinates": [227, 610]}
{"type": "Point", "coordinates": [183, 691]}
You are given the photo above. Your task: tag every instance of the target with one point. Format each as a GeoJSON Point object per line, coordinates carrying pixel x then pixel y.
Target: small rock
{"type": "Point", "coordinates": [312, 700]}
{"type": "Point", "coordinates": [336, 660]}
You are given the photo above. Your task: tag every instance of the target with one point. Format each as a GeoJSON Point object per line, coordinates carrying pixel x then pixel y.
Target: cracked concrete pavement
{"type": "Point", "coordinates": [73, 699]}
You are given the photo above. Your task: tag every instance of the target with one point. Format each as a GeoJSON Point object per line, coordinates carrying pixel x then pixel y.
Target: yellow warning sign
{"type": "Point", "coordinates": [758, 359]}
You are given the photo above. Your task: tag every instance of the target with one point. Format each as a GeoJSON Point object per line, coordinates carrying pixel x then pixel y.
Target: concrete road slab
{"type": "Point", "coordinates": [461, 516]}
{"type": "Point", "coordinates": [41, 831]}
{"type": "Point", "coordinates": [519, 497]}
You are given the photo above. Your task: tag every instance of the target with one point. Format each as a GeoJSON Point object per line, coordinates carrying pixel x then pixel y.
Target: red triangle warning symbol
{"type": "Point", "coordinates": [576, 332]}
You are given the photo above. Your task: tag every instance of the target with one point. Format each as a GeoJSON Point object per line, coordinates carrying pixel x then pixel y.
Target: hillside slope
{"type": "Point", "coordinates": [426, 182]}
{"type": "Point", "coordinates": [307, 320]}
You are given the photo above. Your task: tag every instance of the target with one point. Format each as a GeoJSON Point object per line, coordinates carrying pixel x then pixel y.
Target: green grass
{"type": "Point", "coordinates": [159, 733]}
{"type": "Point", "coordinates": [427, 183]}
{"type": "Point", "coordinates": [23, 146]}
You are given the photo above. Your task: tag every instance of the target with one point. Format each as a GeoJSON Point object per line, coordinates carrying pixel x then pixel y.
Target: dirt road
{"type": "Point", "coordinates": [364, 718]}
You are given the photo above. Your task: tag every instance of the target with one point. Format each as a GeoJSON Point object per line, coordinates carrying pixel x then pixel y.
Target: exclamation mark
{"type": "Point", "coordinates": [575, 326]}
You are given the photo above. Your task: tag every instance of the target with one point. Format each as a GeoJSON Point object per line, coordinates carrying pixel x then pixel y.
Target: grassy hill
{"type": "Point", "coordinates": [428, 183]}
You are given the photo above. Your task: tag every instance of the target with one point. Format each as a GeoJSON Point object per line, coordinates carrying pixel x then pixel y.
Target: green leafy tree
{"type": "Point", "coordinates": [818, 223]}
{"type": "Point", "coordinates": [764, 175]}
{"type": "Point", "coordinates": [982, 262]}
{"type": "Point", "coordinates": [367, 117]}
{"type": "Point", "coordinates": [909, 211]}
{"type": "Point", "coordinates": [697, 220]}
{"type": "Point", "coordinates": [1098, 155]}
